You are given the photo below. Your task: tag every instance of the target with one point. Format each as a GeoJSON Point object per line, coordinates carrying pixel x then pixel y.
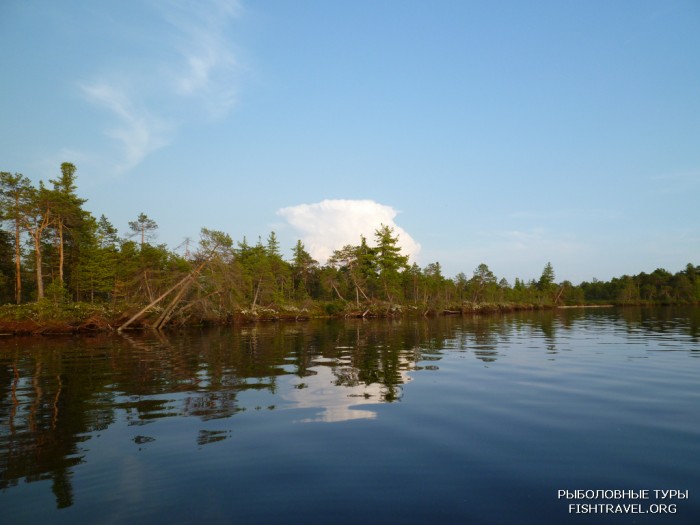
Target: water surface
{"type": "Point", "coordinates": [453, 420]}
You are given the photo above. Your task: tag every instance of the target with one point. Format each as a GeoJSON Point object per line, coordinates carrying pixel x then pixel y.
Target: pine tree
{"type": "Point", "coordinates": [546, 285]}
{"type": "Point", "coordinates": [15, 191]}
{"type": "Point", "coordinates": [389, 260]}
{"type": "Point", "coordinates": [68, 214]}
{"type": "Point", "coordinates": [482, 283]}
{"type": "Point", "coordinates": [143, 227]}
{"type": "Point", "coordinates": [37, 217]}
{"type": "Point", "coordinates": [303, 268]}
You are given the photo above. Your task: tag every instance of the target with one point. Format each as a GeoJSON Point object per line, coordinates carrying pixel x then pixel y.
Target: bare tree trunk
{"type": "Point", "coordinates": [255, 297]}
{"type": "Point", "coordinates": [60, 252]}
{"type": "Point", "coordinates": [153, 303]}
{"type": "Point", "coordinates": [148, 285]}
{"type": "Point", "coordinates": [336, 291]}
{"type": "Point", "coordinates": [556, 299]}
{"type": "Point", "coordinates": [388, 294]}
{"type": "Point", "coordinates": [193, 303]}
{"type": "Point", "coordinates": [364, 295]}
{"type": "Point", "coordinates": [165, 316]}
{"type": "Point", "coordinates": [182, 282]}
{"type": "Point", "coordinates": [359, 288]}
{"type": "Point", "coordinates": [39, 276]}
{"type": "Point", "coordinates": [18, 268]}
{"type": "Point", "coordinates": [36, 233]}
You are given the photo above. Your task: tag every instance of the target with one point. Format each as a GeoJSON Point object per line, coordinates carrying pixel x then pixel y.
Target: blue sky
{"type": "Point", "coordinates": [509, 133]}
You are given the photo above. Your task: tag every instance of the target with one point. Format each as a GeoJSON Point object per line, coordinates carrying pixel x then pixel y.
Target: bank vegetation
{"type": "Point", "coordinates": [64, 270]}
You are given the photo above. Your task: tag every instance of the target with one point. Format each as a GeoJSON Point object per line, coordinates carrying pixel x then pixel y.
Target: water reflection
{"type": "Point", "coordinates": [334, 400]}
{"type": "Point", "coordinates": [57, 394]}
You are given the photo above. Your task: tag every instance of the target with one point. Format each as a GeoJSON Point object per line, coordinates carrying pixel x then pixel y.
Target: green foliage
{"type": "Point", "coordinates": [74, 313]}
{"type": "Point", "coordinates": [547, 278]}
{"type": "Point", "coordinates": [435, 286]}
{"type": "Point", "coordinates": [548, 290]}
{"type": "Point", "coordinates": [334, 308]}
{"type": "Point", "coordinates": [94, 275]}
{"type": "Point", "coordinates": [15, 191]}
{"type": "Point", "coordinates": [106, 234]}
{"type": "Point", "coordinates": [273, 245]}
{"type": "Point", "coordinates": [658, 287]}
{"type": "Point", "coordinates": [389, 261]}
{"type": "Point", "coordinates": [266, 277]}
{"type": "Point", "coordinates": [56, 294]}
{"type": "Point", "coordinates": [483, 284]}
{"type": "Point", "coordinates": [7, 269]}
{"type": "Point", "coordinates": [144, 228]}
{"type": "Point", "coordinates": [214, 242]}
{"type": "Point", "coordinates": [53, 247]}
{"type": "Point", "coordinates": [304, 272]}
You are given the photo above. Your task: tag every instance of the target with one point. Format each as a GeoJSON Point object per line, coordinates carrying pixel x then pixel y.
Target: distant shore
{"type": "Point", "coordinates": [587, 306]}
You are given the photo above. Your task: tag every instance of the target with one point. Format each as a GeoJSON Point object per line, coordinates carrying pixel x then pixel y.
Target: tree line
{"type": "Point", "coordinates": [53, 250]}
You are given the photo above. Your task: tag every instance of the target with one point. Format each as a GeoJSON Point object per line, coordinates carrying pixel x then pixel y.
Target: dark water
{"type": "Point", "coordinates": [450, 420]}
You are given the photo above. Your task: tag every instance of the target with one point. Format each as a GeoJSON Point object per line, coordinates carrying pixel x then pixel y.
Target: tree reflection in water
{"type": "Point", "coordinates": [58, 393]}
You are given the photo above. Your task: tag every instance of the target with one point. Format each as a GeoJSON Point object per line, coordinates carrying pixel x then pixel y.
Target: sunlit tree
{"type": "Point", "coordinates": [389, 260]}
{"type": "Point", "coordinates": [143, 227]}
{"type": "Point", "coordinates": [15, 192]}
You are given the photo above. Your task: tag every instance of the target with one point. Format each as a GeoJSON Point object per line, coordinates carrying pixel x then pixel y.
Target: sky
{"type": "Point", "coordinates": [508, 133]}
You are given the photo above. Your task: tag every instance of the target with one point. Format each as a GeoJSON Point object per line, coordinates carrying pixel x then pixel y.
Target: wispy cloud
{"type": "Point", "coordinates": [680, 182]}
{"type": "Point", "coordinates": [137, 131]}
{"type": "Point", "coordinates": [206, 52]}
{"type": "Point", "coordinates": [330, 224]}
{"type": "Point", "coordinates": [566, 214]}
{"type": "Point", "coordinates": [199, 80]}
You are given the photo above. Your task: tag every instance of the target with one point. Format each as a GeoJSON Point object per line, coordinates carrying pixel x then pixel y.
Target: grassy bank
{"type": "Point", "coordinates": [46, 318]}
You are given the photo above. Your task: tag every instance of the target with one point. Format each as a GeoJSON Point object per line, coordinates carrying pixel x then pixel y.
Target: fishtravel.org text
{"type": "Point", "coordinates": [644, 501]}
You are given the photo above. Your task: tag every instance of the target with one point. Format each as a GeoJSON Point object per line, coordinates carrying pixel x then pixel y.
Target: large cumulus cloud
{"type": "Point", "coordinates": [330, 224]}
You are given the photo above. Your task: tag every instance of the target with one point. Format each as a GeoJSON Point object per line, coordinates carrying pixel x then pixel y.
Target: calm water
{"type": "Point", "coordinates": [451, 420]}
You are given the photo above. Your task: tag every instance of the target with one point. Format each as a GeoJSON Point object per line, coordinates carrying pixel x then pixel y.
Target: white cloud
{"type": "Point", "coordinates": [331, 224]}
{"type": "Point", "coordinates": [206, 51]}
{"type": "Point", "coordinates": [138, 132]}
{"type": "Point", "coordinates": [199, 78]}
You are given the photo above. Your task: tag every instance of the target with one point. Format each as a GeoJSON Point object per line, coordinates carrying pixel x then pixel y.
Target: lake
{"type": "Point", "coordinates": [563, 416]}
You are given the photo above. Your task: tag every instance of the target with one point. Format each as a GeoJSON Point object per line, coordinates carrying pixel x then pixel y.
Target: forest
{"type": "Point", "coordinates": [60, 266]}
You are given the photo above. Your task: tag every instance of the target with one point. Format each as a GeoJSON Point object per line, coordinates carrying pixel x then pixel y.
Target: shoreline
{"type": "Point", "coordinates": [598, 306]}
{"type": "Point", "coordinates": [62, 324]}
{"type": "Point", "coordinates": [105, 323]}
